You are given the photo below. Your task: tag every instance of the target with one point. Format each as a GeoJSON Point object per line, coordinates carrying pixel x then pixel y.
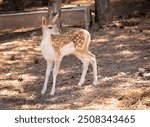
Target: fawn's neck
{"type": "Point", "coordinates": [46, 33]}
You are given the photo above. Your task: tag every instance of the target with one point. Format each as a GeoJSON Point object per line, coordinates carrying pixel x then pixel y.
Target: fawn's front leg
{"type": "Point", "coordinates": [48, 70]}
{"type": "Point", "coordinates": [55, 73]}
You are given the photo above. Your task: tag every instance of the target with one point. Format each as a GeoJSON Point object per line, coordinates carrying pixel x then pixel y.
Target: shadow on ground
{"type": "Point", "coordinates": [119, 53]}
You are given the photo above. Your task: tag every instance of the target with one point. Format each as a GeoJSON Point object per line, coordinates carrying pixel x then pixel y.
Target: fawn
{"type": "Point", "coordinates": [56, 45]}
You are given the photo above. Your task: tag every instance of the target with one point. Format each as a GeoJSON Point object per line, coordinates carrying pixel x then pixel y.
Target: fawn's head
{"type": "Point", "coordinates": [50, 26]}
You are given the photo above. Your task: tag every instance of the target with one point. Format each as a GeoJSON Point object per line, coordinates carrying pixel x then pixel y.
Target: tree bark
{"type": "Point", "coordinates": [18, 5]}
{"type": "Point", "coordinates": [44, 2]}
{"type": "Point", "coordinates": [54, 7]}
{"type": "Point", "coordinates": [103, 11]}
{"type": "Point", "coordinates": [12, 5]}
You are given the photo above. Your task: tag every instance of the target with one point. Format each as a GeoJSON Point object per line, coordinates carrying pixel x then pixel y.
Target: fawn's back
{"type": "Point", "coordinates": [76, 37]}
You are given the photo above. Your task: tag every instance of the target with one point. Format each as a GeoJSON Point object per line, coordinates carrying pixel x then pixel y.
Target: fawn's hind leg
{"type": "Point", "coordinates": [85, 68]}
{"type": "Point", "coordinates": [92, 60]}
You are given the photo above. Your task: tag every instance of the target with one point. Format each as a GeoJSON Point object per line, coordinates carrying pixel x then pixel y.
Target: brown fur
{"type": "Point", "coordinates": [76, 36]}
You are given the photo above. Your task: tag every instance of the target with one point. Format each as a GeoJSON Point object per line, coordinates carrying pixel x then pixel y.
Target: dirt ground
{"type": "Point", "coordinates": [120, 51]}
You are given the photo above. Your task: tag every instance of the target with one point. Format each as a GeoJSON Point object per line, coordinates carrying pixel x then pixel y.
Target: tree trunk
{"type": "Point", "coordinates": [54, 7]}
{"type": "Point", "coordinates": [12, 5]}
{"type": "Point", "coordinates": [44, 2]}
{"type": "Point", "coordinates": [103, 11]}
{"type": "Point", "coordinates": [18, 5]}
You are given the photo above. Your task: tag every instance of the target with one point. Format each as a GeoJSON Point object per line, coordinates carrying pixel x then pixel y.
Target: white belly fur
{"type": "Point", "coordinates": [67, 49]}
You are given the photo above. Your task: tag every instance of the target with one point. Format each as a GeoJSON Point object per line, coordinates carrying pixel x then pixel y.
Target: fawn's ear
{"type": "Point", "coordinates": [54, 19]}
{"type": "Point", "coordinates": [44, 21]}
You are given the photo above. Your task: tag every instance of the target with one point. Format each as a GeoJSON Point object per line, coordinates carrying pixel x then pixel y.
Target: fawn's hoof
{"type": "Point", "coordinates": [95, 83]}
{"type": "Point", "coordinates": [51, 94]}
{"type": "Point", "coordinates": [80, 84]}
{"type": "Point", "coordinates": [43, 92]}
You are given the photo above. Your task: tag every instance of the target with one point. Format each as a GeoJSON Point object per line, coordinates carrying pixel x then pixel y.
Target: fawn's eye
{"type": "Point", "coordinates": [50, 27]}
